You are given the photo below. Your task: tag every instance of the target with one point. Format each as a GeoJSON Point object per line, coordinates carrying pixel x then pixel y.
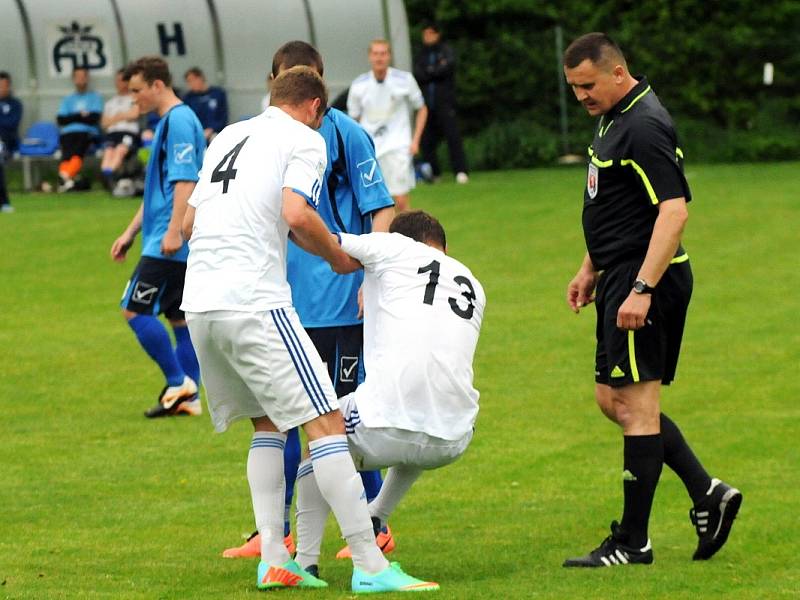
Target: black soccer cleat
{"type": "Point", "coordinates": [177, 400]}
{"type": "Point", "coordinates": [613, 551]}
{"type": "Point", "coordinates": [713, 518]}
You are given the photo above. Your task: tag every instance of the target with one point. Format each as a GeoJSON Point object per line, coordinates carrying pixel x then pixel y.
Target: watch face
{"type": "Point", "coordinates": [638, 287]}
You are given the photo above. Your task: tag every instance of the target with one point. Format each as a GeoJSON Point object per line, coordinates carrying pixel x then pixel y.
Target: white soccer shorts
{"type": "Point", "coordinates": [398, 171]}
{"type": "Point", "coordinates": [381, 447]}
{"type": "Point", "coordinates": [261, 363]}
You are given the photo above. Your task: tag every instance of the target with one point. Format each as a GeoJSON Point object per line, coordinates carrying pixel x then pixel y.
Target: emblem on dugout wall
{"type": "Point", "coordinates": [77, 46]}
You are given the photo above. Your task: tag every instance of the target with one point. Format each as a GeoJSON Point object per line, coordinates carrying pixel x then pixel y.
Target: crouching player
{"type": "Point", "coordinates": [417, 406]}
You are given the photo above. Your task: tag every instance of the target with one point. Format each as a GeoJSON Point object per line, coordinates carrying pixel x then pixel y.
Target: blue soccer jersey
{"type": "Point", "coordinates": [352, 189]}
{"type": "Point", "coordinates": [211, 107]}
{"type": "Point", "coordinates": [176, 155]}
{"type": "Point", "coordinates": [75, 104]}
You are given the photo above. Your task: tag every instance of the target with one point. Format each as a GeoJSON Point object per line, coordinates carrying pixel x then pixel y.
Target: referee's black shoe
{"type": "Point", "coordinates": [713, 518]}
{"type": "Point", "coordinates": [614, 551]}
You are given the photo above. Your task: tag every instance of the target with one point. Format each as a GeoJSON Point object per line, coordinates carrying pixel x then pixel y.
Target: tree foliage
{"type": "Point", "coordinates": [704, 59]}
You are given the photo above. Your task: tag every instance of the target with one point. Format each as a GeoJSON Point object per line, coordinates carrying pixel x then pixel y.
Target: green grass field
{"type": "Point", "coordinates": [98, 502]}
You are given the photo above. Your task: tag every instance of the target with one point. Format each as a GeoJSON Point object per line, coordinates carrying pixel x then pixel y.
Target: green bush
{"type": "Point", "coordinates": [516, 144]}
{"type": "Point", "coordinates": [705, 65]}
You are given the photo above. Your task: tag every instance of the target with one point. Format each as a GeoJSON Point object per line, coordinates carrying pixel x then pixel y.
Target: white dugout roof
{"type": "Point", "coordinates": [232, 41]}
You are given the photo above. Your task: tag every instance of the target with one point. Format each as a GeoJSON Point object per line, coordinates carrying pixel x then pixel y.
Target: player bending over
{"type": "Point", "coordinates": [416, 408]}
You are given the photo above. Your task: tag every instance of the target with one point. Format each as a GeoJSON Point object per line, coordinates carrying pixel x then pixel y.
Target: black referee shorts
{"type": "Point", "coordinates": [341, 350]}
{"type": "Point", "coordinates": [650, 353]}
{"type": "Point", "coordinates": [156, 287]}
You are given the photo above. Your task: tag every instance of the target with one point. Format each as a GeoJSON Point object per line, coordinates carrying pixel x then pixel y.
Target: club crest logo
{"type": "Point", "coordinates": [77, 46]}
{"type": "Point", "coordinates": [591, 180]}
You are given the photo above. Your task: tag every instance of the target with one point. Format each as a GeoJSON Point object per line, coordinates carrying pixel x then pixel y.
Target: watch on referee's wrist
{"type": "Point", "coordinates": [640, 287]}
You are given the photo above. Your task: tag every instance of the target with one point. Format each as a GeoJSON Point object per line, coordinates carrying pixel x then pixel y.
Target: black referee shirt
{"type": "Point", "coordinates": [634, 163]}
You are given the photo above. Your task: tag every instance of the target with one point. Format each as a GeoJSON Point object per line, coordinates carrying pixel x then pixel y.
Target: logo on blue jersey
{"type": "Point", "coordinates": [369, 172]}
{"type": "Point", "coordinates": [183, 153]}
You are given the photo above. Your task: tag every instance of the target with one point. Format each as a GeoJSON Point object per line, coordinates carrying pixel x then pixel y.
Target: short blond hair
{"type": "Point", "coordinates": [297, 85]}
{"type": "Point", "coordinates": [380, 42]}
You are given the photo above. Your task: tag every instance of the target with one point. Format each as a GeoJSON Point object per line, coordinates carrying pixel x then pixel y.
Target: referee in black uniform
{"type": "Point", "coordinates": [634, 212]}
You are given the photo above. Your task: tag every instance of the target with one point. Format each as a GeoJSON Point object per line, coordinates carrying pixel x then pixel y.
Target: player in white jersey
{"type": "Point", "coordinates": [382, 101]}
{"type": "Point", "coordinates": [417, 406]}
{"type": "Point", "coordinates": [260, 183]}
{"type": "Point", "coordinates": [120, 121]}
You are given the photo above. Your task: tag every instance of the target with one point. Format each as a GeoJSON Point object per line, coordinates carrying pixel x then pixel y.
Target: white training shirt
{"type": "Point", "coordinates": [116, 105]}
{"type": "Point", "coordinates": [237, 253]}
{"type": "Point", "coordinates": [422, 316]}
{"type": "Point", "coordinates": [384, 108]}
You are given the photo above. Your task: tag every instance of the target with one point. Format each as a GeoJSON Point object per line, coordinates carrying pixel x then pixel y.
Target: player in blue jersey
{"type": "Point", "coordinates": [79, 118]}
{"type": "Point", "coordinates": [353, 200]}
{"type": "Point", "coordinates": [156, 285]}
{"type": "Point", "coordinates": [10, 116]}
{"type": "Point", "coordinates": [209, 102]}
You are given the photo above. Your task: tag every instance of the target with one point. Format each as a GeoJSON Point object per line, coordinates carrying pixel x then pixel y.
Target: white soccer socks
{"type": "Point", "coordinates": [267, 486]}
{"type": "Point", "coordinates": [312, 512]}
{"type": "Point", "coordinates": [396, 484]}
{"type": "Point", "coordinates": [341, 487]}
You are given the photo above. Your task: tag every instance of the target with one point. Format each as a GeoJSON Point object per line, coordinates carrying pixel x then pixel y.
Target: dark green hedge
{"type": "Point", "coordinates": [704, 59]}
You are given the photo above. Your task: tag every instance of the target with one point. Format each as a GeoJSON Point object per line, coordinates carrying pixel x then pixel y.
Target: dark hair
{"type": "Point", "coordinates": [196, 71]}
{"type": "Point", "coordinates": [419, 226]}
{"type": "Point", "coordinates": [431, 25]}
{"type": "Point", "coordinates": [76, 69]}
{"type": "Point", "coordinates": [295, 53]}
{"type": "Point", "coordinates": [596, 47]}
{"type": "Point", "coordinates": [5, 75]}
{"type": "Point", "coordinates": [151, 68]}
{"type": "Point", "coordinates": [296, 85]}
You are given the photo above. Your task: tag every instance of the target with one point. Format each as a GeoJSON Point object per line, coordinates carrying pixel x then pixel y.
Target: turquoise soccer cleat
{"type": "Point", "coordinates": [391, 579]}
{"type": "Point", "coordinates": [288, 575]}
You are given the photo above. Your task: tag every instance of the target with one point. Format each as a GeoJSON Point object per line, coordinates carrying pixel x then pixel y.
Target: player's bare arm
{"type": "Point", "coordinates": [129, 115]}
{"type": "Point", "coordinates": [310, 233]}
{"type": "Point", "coordinates": [188, 223]}
{"type": "Point", "coordinates": [667, 232]}
{"type": "Point", "coordinates": [419, 126]}
{"type": "Point", "coordinates": [382, 218]}
{"type": "Point", "coordinates": [120, 247]}
{"type": "Point", "coordinates": [172, 240]}
{"type": "Point", "coordinates": [580, 290]}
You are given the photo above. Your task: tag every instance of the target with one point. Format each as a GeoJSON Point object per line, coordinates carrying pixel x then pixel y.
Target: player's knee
{"type": "Point", "coordinates": [331, 423]}
{"type": "Point", "coordinates": [605, 402]}
{"type": "Point", "coordinates": [128, 314]}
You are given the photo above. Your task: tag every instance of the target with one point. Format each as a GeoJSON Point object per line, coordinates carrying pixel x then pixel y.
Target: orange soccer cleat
{"type": "Point", "coordinates": [252, 547]}
{"type": "Point", "coordinates": [384, 540]}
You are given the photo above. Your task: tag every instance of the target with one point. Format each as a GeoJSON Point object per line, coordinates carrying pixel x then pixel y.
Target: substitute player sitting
{"type": "Point", "coordinates": [261, 179]}
{"type": "Point", "coordinates": [417, 406]}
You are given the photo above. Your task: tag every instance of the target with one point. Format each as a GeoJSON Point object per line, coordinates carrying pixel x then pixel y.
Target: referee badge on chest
{"type": "Point", "coordinates": [591, 180]}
